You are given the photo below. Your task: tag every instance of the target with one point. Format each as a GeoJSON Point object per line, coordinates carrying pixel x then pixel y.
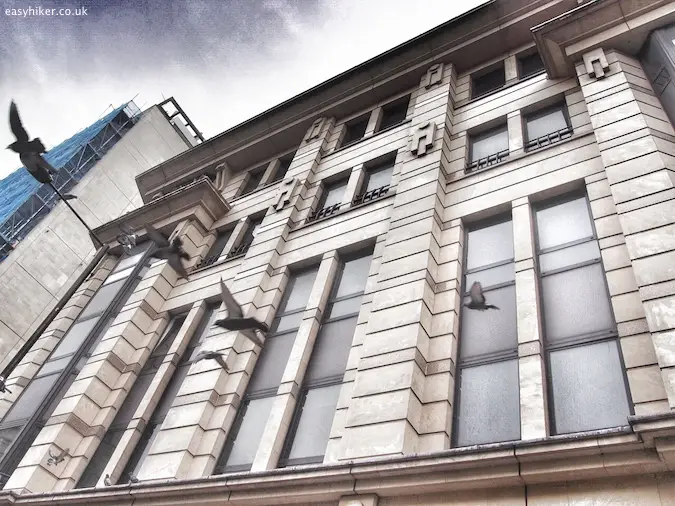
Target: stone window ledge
{"type": "Point", "coordinates": [596, 454]}
{"type": "Point", "coordinates": [469, 101]}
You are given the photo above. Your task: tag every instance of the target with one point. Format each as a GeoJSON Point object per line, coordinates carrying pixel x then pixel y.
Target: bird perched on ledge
{"type": "Point", "coordinates": [172, 252]}
{"type": "Point", "coordinates": [235, 318]}
{"type": "Point", "coordinates": [477, 298]}
{"type": "Point", "coordinates": [30, 152]}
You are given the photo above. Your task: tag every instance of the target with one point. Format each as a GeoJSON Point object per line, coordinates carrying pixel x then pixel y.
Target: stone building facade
{"type": "Point", "coordinates": [525, 145]}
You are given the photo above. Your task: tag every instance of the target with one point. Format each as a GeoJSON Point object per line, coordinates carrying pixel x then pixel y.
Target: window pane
{"type": "Point", "coordinates": [488, 82]}
{"type": "Point", "coordinates": [316, 419]}
{"type": "Point", "coordinates": [288, 322]}
{"type": "Point", "coordinates": [489, 245]}
{"type": "Point", "coordinates": [355, 130]}
{"type": "Point", "coordinates": [530, 64]}
{"type": "Point", "coordinates": [102, 299]}
{"type": "Point", "coordinates": [54, 365]}
{"type": "Point", "coordinates": [130, 261]}
{"type": "Point", "coordinates": [563, 223]}
{"type": "Point", "coordinates": [588, 388]}
{"type": "Point", "coordinates": [74, 338]}
{"type": "Point", "coordinates": [569, 256]}
{"type": "Point", "coordinates": [539, 125]}
{"type": "Point", "coordinates": [299, 288]}
{"type": "Point", "coordinates": [489, 143]}
{"type": "Point", "coordinates": [331, 349]}
{"type": "Point", "coordinates": [31, 398]}
{"type": "Point", "coordinates": [100, 459]}
{"type": "Point", "coordinates": [284, 165]}
{"type": "Point", "coordinates": [116, 276]}
{"type": "Point", "coordinates": [489, 404]}
{"type": "Point", "coordinates": [7, 437]}
{"type": "Point", "coordinates": [249, 432]}
{"type": "Point", "coordinates": [219, 244]}
{"type": "Point", "coordinates": [394, 113]}
{"type": "Point", "coordinates": [490, 331]}
{"type": "Point", "coordinates": [490, 277]}
{"type": "Point", "coordinates": [354, 276]}
{"type": "Point", "coordinates": [271, 364]}
{"type": "Point", "coordinates": [568, 299]}
{"type": "Point", "coordinates": [333, 194]}
{"type": "Point", "coordinates": [254, 180]}
{"type": "Point", "coordinates": [344, 307]}
{"type": "Point", "coordinates": [378, 178]}
{"type": "Point", "coordinates": [250, 231]}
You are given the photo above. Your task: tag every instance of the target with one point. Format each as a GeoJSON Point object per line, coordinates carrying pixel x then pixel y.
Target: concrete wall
{"type": "Point", "coordinates": [42, 267]}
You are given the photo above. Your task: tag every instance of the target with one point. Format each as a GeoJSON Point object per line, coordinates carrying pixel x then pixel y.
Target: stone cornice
{"type": "Point", "coordinates": [199, 200]}
{"type": "Point", "coordinates": [616, 24]}
{"type": "Point", "coordinates": [642, 448]}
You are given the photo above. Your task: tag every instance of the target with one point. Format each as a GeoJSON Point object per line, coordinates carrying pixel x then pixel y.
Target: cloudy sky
{"type": "Point", "coordinates": [223, 60]}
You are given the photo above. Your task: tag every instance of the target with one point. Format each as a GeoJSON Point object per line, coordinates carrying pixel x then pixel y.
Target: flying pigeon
{"type": "Point", "coordinates": [172, 252]}
{"type": "Point", "coordinates": [477, 298]}
{"type": "Point", "coordinates": [127, 238]}
{"type": "Point", "coordinates": [211, 355]}
{"type": "Point", "coordinates": [106, 481]}
{"type": "Point", "coordinates": [58, 458]}
{"type": "Point", "coordinates": [235, 318]}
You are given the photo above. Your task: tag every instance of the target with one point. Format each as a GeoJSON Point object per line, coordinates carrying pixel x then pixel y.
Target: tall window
{"type": "Point", "coordinates": [216, 250]}
{"type": "Point", "coordinates": [127, 411]}
{"type": "Point", "coordinates": [254, 179]}
{"type": "Point", "coordinates": [586, 380]}
{"type": "Point", "coordinates": [247, 429]}
{"type": "Point", "coordinates": [284, 165]}
{"type": "Point", "coordinates": [547, 126]}
{"type": "Point", "coordinates": [376, 180]}
{"type": "Point", "coordinates": [394, 113]}
{"type": "Point", "coordinates": [331, 199]}
{"type": "Point", "coordinates": [488, 399]}
{"type": "Point", "coordinates": [247, 238]}
{"type": "Point", "coordinates": [529, 65]}
{"type": "Point", "coordinates": [483, 83]}
{"type": "Point", "coordinates": [355, 130]}
{"type": "Point", "coordinates": [488, 148]}
{"type": "Point", "coordinates": [31, 411]}
{"type": "Point", "coordinates": [166, 400]}
{"type": "Point", "coordinates": [308, 436]}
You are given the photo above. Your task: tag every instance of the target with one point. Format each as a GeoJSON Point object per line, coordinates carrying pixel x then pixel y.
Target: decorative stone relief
{"type": "Point", "coordinates": [596, 63]}
{"type": "Point", "coordinates": [285, 192]}
{"type": "Point", "coordinates": [434, 75]}
{"type": "Point", "coordinates": [223, 173]}
{"type": "Point", "coordinates": [423, 138]}
{"type": "Point", "coordinates": [315, 130]}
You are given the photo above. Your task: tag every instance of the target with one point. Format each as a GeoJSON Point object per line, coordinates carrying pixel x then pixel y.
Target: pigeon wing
{"type": "Point", "coordinates": [177, 265]}
{"type": "Point", "coordinates": [15, 124]}
{"type": "Point", "coordinates": [126, 229]}
{"type": "Point", "coordinates": [233, 308]}
{"type": "Point", "coordinates": [156, 237]}
{"type": "Point", "coordinates": [253, 337]}
{"type": "Point", "coordinates": [476, 293]}
{"type": "Point", "coordinates": [221, 363]}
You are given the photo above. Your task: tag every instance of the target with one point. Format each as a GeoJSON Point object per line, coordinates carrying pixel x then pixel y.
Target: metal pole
{"type": "Point", "coordinates": [100, 243]}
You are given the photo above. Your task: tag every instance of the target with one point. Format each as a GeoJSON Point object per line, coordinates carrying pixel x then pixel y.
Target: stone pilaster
{"type": "Point", "coordinates": [636, 142]}
{"type": "Point", "coordinates": [514, 122]}
{"type": "Point", "coordinates": [392, 369]}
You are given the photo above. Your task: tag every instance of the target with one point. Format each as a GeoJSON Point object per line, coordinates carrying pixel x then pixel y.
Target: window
{"type": "Point", "coordinates": [546, 127]}
{"type": "Point", "coordinates": [394, 113]}
{"type": "Point", "coordinates": [309, 433]}
{"type": "Point", "coordinates": [284, 164]}
{"type": "Point", "coordinates": [331, 199]}
{"type": "Point", "coordinates": [170, 392]}
{"type": "Point", "coordinates": [355, 130]}
{"type": "Point", "coordinates": [484, 83]}
{"type": "Point", "coordinates": [488, 148]}
{"type": "Point", "coordinates": [254, 179]}
{"type": "Point", "coordinates": [530, 64]}
{"type": "Point", "coordinates": [247, 238]}
{"type": "Point", "coordinates": [376, 180]}
{"type": "Point", "coordinates": [488, 387]}
{"type": "Point", "coordinates": [126, 413]}
{"type": "Point", "coordinates": [34, 406]}
{"type": "Point", "coordinates": [587, 387]}
{"type": "Point", "coordinates": [247, 429]}
{"type": "Point", "coordinates": [222, 237]}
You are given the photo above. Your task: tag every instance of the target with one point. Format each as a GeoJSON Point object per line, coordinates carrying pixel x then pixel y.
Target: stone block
{"type": "Point", "coordinates": [385, 407]}
{"type": "Point", "coordinates": [638, 351]}
{"type": "Point", "coordinates": [390, 378]}
{"type": "Point", "coordinates": [390, 438]}
{"type": "Point", "coordinates": [660, 313]}
{"type": "Point", "coordinates": [646, 384]}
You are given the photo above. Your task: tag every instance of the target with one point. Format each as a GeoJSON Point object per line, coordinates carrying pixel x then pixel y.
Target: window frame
{"type": "Point", "coordinates": [474, 165]}
{"type": "Point", "coordinates": [257, 174]}
{"type": "Point", "coordinates": [552, 137]}
{"type": "Point", "coordinates": [393, 105]}
{"type": "Point", "coordinates": [285, 162]}
{"type": "Point", "coordinates": [363, 119]}
{"type": "Point", "coordinates": [211, 258]}
{"type": "Point", "coordinates": [519, 65]}
{"type": "Point", "coordinates": [482, 73]}
{"type": "Point", "coordinates": [321, 210]}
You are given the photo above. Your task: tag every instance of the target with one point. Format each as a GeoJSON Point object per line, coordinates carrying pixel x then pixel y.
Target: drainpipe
{"type": "Point", "coordinates": [50, 317]}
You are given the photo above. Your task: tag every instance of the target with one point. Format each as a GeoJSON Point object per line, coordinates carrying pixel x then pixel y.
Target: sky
{"type": "Point", "coordinates": [224, 61]}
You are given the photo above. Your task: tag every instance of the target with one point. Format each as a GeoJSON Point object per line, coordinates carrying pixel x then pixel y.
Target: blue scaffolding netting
{"type": "Point", "coordinates": [24, 201]}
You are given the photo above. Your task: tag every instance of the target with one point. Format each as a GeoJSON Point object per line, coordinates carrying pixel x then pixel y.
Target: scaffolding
{"type": "Point", "coordinates": [24, 201]}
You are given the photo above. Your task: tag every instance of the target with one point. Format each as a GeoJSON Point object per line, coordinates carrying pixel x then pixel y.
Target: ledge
{"type": "Point", "coordinates": [595, 454]}
{"type": "Point", "coordinates": [365, 138]}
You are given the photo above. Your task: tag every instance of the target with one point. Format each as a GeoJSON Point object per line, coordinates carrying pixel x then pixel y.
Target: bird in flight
{"type": "Point", "coordinates": [211, 355]}
{"type": "Point", "coordinates": [235, 318]}
{"type": "Point", "coordinates": [173, 252]}
{"type": "Point", "coordinates": [477, 298]}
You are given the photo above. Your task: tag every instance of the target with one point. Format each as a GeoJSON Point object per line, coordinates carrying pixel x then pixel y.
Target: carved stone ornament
{"type": "Point", "coordinates": [315, 130]}
{"type": "Point", "coordinates": [285, 192]}
{"type": "Point", "coordinates": [596, 63]}
{"type": "Point", "coordinates": [423, 138]}
{"type": "Point", "coordinates": [433, 76]}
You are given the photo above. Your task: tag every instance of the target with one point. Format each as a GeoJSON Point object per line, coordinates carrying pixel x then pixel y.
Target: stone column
{"type": "Point", "coordinates": [511, 69]}
{"type": "Point", "coordinates": [354, 184]}
{"type": "Point", "coordinates": [393, 364]}
{"type": "Point", "coordinates": [636, 141]}
{"type": "Point", "coordinates": [533, 405]}
{"type": "Point", "coordinates": [514, 122]}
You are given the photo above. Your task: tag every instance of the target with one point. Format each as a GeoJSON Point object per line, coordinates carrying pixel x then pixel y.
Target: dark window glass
{"type": "Point", "coordinates": [394, 113]}
{"type": "Point", "coordinates": [270, 366]}
{"type": "Point", "coordinates": [378, 176]}
{"type": "Point", "coordinates": [74, 338]}
{"type": "Point", "coordinates": [100, 459]}
{"type": "Point", "coordinates": [331, 350]}
{"type": "Point", "coordinates": [332, 194]}
{"type": "Point", "coordinates": [588, 388]}
{"type": "Point", "coordinates": [298, 290]}
{"type": "Point", "coordinates": [32, 396]}
{"type": "Point", "coordinates": [284, 165]}
{"type": "Point", "coordinates": [563, 223]}
{"type": "Point", "coordinates": [355, 130]}
{"type": "Point", "coordinates": [529, 65]}
{"type": "Point", "coordinates": [348, 306]}
{"type": "Point", "coordinates": [54, 365]}
{"type": "Point", "coordinates": [286, 323]}
{"type": "Point", "coordinates": [489, 406]}
{"type": "Point", "coordinates": [254, 180]}
{"type": "Point", "coordinates": [7, 437]}
{"type": "Point", "coordinates": [489, 143]}
{"type": "Point", "coordinates": [247, 431]}
{"type": "Point", "coordinates": [490, 81]}
{"type": "Point", "coordinates": [218, 246]}
{"type": "Point", "coordinates": [250, 230]}
{"type": "Point", "coordinates": [314, 424]}
{"type": "Point", "coordinates": [102, 299]}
